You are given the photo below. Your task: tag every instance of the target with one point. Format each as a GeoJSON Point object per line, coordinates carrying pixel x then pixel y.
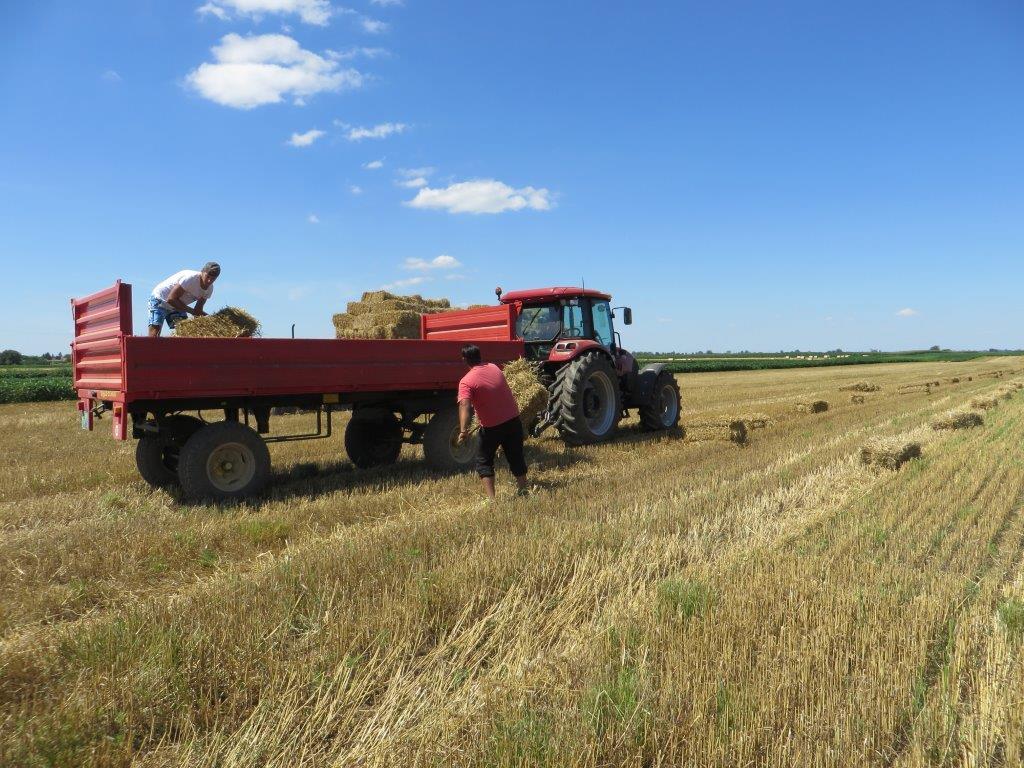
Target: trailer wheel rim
{"type": "Point", "coordinates": [669, 405]}
{"type": "Point", "coordinates": [231, 466]}
{"type": "Point", "coordinates": [599, 403]}
{"type": "Point", "coordinates": [465, 453]}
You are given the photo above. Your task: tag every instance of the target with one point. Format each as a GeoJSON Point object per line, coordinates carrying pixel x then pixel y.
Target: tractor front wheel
{"type": "Point", "coordinates": [586, 399]}
{"type": "Point", "coordinates": [661, 411]}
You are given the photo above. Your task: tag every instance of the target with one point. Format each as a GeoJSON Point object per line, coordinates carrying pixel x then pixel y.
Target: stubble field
{"type": "Point", "coordinates": [658, 601]}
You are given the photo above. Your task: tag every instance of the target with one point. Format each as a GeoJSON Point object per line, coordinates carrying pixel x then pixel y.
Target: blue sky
{"type": "Point", "coordinates": [745, 175]}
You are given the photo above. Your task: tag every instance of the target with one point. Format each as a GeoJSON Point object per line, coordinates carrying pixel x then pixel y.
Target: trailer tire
{"type": "Point", "coordinates": [440, 447]}
{"type": "Point", "coordinates": [373, 439]}
{"type": "Point", "coordinates": [157, 457]}
{"type": "Point", "coordinates": [661, 411]}
{"type": "Point", "coordinates": [224, 461]}
{"type": "Point", "coordinates": [586, 400]}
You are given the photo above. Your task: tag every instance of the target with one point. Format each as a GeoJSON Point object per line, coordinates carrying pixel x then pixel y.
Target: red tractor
{"type": "Point", "coordinates": [570, 333]}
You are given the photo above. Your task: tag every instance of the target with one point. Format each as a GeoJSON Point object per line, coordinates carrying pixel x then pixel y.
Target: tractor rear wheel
{"type": "Point", "coordinates": [157, 457]}
{"type": "Point", "coordinates": [587, 399]}
{"type": "Point", "coordinates": [440, 443]}
{"type": "Point", "coordinates": [661, 411]}
{"type": "Point", "coordinates": [373, 439]}
{"type": "Point", "coordinates": [224, 461]}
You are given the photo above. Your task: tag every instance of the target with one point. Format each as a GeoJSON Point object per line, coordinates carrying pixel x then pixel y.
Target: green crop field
{"type": "Point", "coordinates": [35, 383]}
{"type": "Point", "coordinates": [754, 361]}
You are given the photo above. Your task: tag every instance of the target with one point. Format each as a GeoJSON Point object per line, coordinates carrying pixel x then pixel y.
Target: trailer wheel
{"type": "Point", "coordinates": [661, 411]}
{"type": "Point", "coordinates": [373, 439]}
{"type": "Point", "coordinates": [224, 461]}
{"type": "Point", "coordinates": [157, 457]}
{"type": "Point", "coordinates": [585, 399]}
{"type": "Point", "coordinates": [440, 443]}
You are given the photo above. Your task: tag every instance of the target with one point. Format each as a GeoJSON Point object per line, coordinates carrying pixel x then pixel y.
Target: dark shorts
{"type": "Point", "coordinates": [507, 436]}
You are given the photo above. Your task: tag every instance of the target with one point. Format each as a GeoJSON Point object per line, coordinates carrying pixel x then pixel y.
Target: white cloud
{"type": "Point", "coordinates": [111, 76]}
{"type": "Point", "coordinates": [415, 183]}
{"type": "Point", "coordinates": [313, 218]}
{"type": "Point", "coordinates": [355, 190]}
{"type": "Point", "coordinates": [373, 26]}
{"type": "Point", "coordinates": [443, 261]}
{"type": "Point", "coordinates": [907, 312]}
{"type": "Point", "coordinates": [310, 11]}
{"type": "Point", "coordinates": [407, 282]}
{"type": "Point", "coordinates": [381, 131]}
{"type": "Point", "coordinates": [305, 139]}
{"type": "Point", "coordinates": [386, 3]}
{"type": "Point", "coordinates": [410, 173]}
{"type": "Point", "coordinates": [373, 165]}
{"type": "Point", "coordinates": [263, 69]}
{"type": "Point", "coordinates": [354, 53]}
{"type": "Point", "coordinates": [482, 196]}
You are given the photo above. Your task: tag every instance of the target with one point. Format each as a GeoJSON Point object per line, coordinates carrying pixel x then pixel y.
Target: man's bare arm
{"type": "Point", "coordinates": [199, 307]}
{"type": "Point", "coordinates": [465, 415]}
{"type": "Point", "coordinates": [174, 299]}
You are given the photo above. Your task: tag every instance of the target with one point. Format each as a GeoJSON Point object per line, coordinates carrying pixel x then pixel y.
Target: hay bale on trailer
{"type": "Point", "coordinates": [889, 452]}
{"type": "Point", "coordinates": [384, 315]}
{"type": "Point", "coordinates": [957, 419]}
{"type": "Point", "coordinates": [226, 323]}
{"type": "Point", "coordinates": [860, 386]}
{"type": "Point", "coordinates": [812, 406]}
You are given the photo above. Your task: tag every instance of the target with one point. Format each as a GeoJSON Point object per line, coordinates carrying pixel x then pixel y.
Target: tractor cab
{"type": "Point", "coordinates": [556, 322]}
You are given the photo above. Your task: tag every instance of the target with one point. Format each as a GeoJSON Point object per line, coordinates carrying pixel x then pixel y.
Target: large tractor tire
{"type": "Point", "coordinates": [157, 457]}
{"type": "Point", "coordinates": [586, 400]}
{"type": "Point", "coordinates": [440, 443]}
{"type": "Point", "coordinates": [223, 462]}
{"type": "Point", "coordinates": [661, 411]}
{"type": "Point", "coordinates": [373, 438]}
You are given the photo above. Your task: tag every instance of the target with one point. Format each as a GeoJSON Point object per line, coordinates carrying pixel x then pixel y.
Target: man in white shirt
{"type": "Point", "coordinates": [171, 298]}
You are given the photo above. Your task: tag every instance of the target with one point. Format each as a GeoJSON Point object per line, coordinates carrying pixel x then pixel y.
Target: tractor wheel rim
{"type": "Point", "coordinates": [231, 466]}
{"type": "Point", "coordinates": [462, 454]}
{"type": "Point", "coordinates": [598, 403]}
{"type": "Point", "coordinates": [669, 405]}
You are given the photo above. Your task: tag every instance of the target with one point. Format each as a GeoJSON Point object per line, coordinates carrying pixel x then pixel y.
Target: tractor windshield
{"type": "Point", "coordinates": [539, 322]}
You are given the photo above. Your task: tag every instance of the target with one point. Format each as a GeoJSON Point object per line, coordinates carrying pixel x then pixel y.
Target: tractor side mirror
{"type": "Point", "coordinates": [627, 316]}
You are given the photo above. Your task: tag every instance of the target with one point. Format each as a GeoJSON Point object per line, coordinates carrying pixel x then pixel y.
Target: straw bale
{"type": "Point", "coordinates": [857, 399]}
{"type": "Point", "coordinates": [755, 420]}
{"type": "Point", "coordinates": [860, 386]}
{"type": "Point", "coordinates": [385, 315]}
{"type": "Point", "coordinates": [889, 452]}
{"type": "Point", "coordinates": [530, 393]}
{"type": "Point", "coordinates": [226, 323]}
{"type": "Point", "coordinates": [734, 430]}
{"type": "Point", "coordinates": [957, 419]}
{"type": "Point", "coordinates": [984, 403]}
{"type": "Point", "coordinates": [953, 380]}
{"type": "Point", "coordinates": [812, 406]}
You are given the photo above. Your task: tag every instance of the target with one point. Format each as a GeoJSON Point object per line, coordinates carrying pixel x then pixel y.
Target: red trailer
{"type": "Point", "coordinates": [400, 391]}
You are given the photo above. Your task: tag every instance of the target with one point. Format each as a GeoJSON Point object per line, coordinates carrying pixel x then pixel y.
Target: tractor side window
{"type": "Point", "coordinates": [602, 323]}
{"type": "Point", "coordinates": [572, 321]}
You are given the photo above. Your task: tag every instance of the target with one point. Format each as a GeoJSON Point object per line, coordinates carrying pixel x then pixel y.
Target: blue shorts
{"type": "Point", "coordinates": [158, 312]}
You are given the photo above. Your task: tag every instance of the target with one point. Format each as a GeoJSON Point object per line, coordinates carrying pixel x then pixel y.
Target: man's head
{"type": "Point", "coordinates": [209, 273]}
{"type": "Point", "coordinates": [471, 355]}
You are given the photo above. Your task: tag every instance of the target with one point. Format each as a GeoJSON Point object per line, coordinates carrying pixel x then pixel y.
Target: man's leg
{"type": "Point", "coordinates": [488, 447]}
{"type": "Point", "coordinates": [512, 444]}
{"type": "Point", "coordinates": [156, 317]}
{"type": "Point", "coordinates": [154, 330]}
{"type": "Point", "coordinates": [489, 486]}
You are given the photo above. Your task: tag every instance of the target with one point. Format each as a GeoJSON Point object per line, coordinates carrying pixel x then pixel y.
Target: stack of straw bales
{"type": "Point", "coordinates": [383, 315]}
{"type": "Point", "coordinates": [734, 430]}
{"type": "Point", "coordinates": [531, 395]}
{"type": "Point", "coordinates": [958, 419]}
{"type": "Point", "coordinates": [226, 323]}
{"type": "Point", "coordinates": [860, 386]}
{"type": "Point", "coordinates": [812, 406]}
{"type": "Point", "coordinates": [889, 452]}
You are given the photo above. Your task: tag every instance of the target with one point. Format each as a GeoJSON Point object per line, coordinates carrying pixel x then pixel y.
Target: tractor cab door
{"type": "Point", "coordinates": [601, 317]}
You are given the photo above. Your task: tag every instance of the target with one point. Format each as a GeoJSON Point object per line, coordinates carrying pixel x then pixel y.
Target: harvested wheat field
{"type": "Point", "coordinates": [655, 602]}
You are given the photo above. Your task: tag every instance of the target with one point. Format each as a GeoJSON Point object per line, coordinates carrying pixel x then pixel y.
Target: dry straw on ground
{"type": "Point", "coordinates": [857, 398]}
{"type": "Point", "coordinates": [812, 406]}
{"type": "Point", "coordinates": [226, 323]}
{"type": "Point", "coordinates": [384, 315]}
{"type": "Point", "coordinates": [889, 452]}
{"type": "Point", "coordinates": [860, 386]}
{"type": "Point", "coordinates": [984, 402]}
{"type": "Point", "coordinates": [958, 419]}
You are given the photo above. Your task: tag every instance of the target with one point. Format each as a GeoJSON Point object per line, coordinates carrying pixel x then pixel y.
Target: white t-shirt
{"type": "Point", "coordinates": [188, 279]}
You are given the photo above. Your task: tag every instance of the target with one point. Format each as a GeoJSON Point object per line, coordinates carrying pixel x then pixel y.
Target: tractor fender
{"type": "Point", "coordinates": [645, 382]}
{"type": "Point", "coordinates": [569, 349]}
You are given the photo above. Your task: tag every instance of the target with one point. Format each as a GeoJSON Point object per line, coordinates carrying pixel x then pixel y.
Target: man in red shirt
{"type": "Point", "coordinates": [485, 390]}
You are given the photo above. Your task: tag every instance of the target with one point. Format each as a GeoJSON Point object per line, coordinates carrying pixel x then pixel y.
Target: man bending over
{"type": "Point", "coordinates": [171, 298]}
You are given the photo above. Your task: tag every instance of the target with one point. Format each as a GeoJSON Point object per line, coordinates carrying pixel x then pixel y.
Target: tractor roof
{"type": "Point", "coordinates": [532, 295]}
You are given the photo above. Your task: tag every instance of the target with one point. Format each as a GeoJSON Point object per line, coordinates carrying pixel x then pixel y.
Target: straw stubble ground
{"type": "Point", "coordinates": [776, 603]}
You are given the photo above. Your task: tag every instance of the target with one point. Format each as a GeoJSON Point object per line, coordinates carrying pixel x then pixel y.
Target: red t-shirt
{"type": "Point", "coordinates": [488, 392]}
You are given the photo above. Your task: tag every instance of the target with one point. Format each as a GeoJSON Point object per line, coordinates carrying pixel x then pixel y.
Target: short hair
{"type": "Point", "coordinates": [211, 268]}
{"type": "Point", "coordinates": [471, 354]}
